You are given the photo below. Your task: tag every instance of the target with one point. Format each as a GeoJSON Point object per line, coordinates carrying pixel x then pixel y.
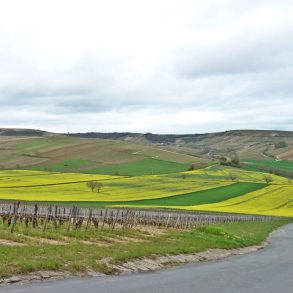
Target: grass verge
{"type": "Point", "coordinates": [86, 250]}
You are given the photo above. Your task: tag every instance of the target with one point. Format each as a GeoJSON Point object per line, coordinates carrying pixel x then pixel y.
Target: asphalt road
{"type": "Point", "coordinates": [267, 271]}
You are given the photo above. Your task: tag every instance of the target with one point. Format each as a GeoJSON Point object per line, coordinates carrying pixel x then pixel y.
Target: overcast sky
{"type": "Point", "coordinates": [146, 66]}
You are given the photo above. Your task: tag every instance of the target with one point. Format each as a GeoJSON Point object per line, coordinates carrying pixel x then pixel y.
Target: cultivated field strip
{"type": "Point", "coordinates": [272, 200]}
{"type": "Point", "coordinates": [81, 217]}
{"type": "Point", "coordinates": [73, 188]}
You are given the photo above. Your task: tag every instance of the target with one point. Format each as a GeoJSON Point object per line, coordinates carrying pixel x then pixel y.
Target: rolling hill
{"type": "Point", "coordinates": [26, 148]}
{"type": "Point", "coordinates": [150, 170]}
{"type": "Point", "coordinates": [248, 144]}
{"type": "Point", "coordinates": [63, 153]}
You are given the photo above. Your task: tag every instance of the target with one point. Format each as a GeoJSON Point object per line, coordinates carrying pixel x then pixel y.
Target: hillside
{"type": "Point", "coordinates": [22, 132]}
{"type": "Point", "coordinates": [134, 153]}
{"type": "Point", "coordinates": [70, 154]}
{"type": "Point", "coordinates": [140, 170]}
{"type": "Point", "coordinates": [248, 144]}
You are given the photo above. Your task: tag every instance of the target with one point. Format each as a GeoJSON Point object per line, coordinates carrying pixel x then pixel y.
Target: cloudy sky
{"type": "Point", "coordinates": [146, 65]}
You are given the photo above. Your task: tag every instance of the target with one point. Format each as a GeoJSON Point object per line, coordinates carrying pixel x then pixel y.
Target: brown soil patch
{"type": "Point", "coordinates": [101, 151]}
{"type": "Point", "coordinates": [151, 230]}
{"type": "Point", "coordinates": [131, 239]}
{"type": "Point", "coordinates": [5, 139]}
{"type": "Point", "coordinates": [286, 155]}
{"type": "Point", "coordinates": [22, 161]}
{"type": "Point", "coordinates": [47, 241]}
{"type": "Point", "coordinates": [66, 152]}
{"type": "Point", "coordinates": [11, 243]}
{"type": "Point", "coordinates": [98, 243]}
{"type": "Point", "coordinates": [51, 241]}
{"type": "Point", "coordinates": [113, 240]}
{"type": "Point", "coordinates": [121, 239]}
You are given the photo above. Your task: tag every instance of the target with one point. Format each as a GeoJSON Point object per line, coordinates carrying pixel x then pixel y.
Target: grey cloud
{"type": "Point", "coordinates": [238, 57]}
{"type": "Point", "coordinates": [244, 77]}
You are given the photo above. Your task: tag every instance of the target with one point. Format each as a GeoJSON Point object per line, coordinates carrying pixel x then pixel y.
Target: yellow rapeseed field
{"type": "Point", "coordinates": [14, 178]}
{"type": "Point", "coordinates": [275, 200]}
{"type": "Point", "coordinates": [114, 188]}
{"type": "Point", "coordinates": [240, 174]}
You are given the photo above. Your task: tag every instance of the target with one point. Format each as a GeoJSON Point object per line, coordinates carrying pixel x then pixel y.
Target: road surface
{"type": "Point", "coordinates": [267, 271]}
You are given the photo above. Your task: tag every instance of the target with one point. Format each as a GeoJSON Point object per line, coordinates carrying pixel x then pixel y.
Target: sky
{"type": "Point", "coordinates": [146, 66]}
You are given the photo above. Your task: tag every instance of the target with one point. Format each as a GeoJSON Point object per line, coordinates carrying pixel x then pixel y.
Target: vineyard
{"type": "Point", "coordinates": [43, 216]}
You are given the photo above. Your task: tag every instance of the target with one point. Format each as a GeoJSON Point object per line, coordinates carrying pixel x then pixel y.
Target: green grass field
{"type": "Point", "coordinates": [255, 165]}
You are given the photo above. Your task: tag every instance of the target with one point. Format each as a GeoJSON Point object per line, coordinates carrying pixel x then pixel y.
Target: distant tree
{"type": "Point", "coordinates": [281, 144]}
{"type": "Point", "coordinates": [268, 179]}
{"type": "Point", "coordinates": [99, 186]}
{"type": "Point", "coordinates": [183, 175]}
{"type": "Point", "coordinates": [192, 167]}
{"type": "Point", "coordinates": [233, 177]}
{"type": "Point", "coordinates": [235, 161]}
{"type": "Point", "coordinates": [92, 185]}
{"type": "Point", "coordinates": [223, 159]}
{"type": "Point", "coordinates": [277, 171]}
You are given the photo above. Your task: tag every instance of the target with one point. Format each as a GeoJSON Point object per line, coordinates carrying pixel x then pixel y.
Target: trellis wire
{"type": "Point", "coordinates": [77, 217]}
